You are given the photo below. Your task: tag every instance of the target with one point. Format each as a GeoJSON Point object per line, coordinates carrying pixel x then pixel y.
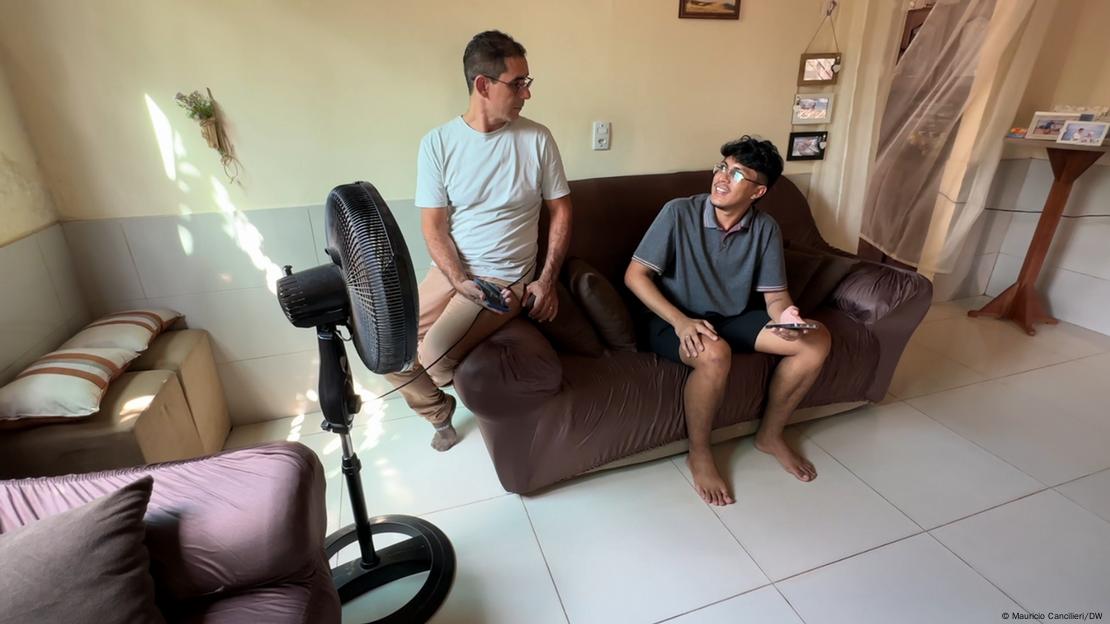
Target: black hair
{"type": "Point", "coordinates": [760, 156]}
{"type": "Point", "coordinates": [486, 53]}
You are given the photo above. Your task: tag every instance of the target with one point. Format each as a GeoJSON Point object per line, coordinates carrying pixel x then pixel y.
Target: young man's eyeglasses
{"type": "Point", "coordinates": [735, 174]}
{"type": "Point", "coordinates": [515, 85]}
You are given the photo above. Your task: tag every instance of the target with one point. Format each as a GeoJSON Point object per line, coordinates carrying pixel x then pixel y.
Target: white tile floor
{"type": "Point", "coordinates": [980, 486]}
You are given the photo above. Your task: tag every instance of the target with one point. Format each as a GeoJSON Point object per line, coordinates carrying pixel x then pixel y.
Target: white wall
{"type": "Point", "coordinates": [40, 301]}
{"type": "Point", "coordinates": [327, 92]}
{"type": "Point", "coordinates": [25, 204]}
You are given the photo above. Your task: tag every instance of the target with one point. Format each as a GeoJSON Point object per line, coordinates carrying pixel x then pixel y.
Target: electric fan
{"type": "Point", "coordinates": [369, 286]}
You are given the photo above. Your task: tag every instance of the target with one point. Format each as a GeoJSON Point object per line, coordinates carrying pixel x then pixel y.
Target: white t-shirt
{"type": "Point", "coordinates": [492, 184]}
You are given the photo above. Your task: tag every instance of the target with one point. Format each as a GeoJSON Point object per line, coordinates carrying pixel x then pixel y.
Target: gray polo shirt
{"type": "Point", "coordinates": [704, 270]}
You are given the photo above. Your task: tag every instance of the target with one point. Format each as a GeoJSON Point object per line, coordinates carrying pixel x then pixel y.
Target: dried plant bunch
{"type": "Point", "coordinates": [196, 105]}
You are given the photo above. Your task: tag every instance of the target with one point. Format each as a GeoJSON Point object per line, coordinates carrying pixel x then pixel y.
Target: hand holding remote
{"type": "Point", "coordinates": [491, 296]}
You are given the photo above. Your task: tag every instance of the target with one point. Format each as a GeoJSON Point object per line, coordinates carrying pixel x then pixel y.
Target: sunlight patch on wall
{"type": "Point", "coordinates": [245, 235]}
{"type": "Point", "coordinates": [163, 133]}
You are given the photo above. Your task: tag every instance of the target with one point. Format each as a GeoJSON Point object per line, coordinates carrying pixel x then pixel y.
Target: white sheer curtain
{"type": "Point", "coordinates": [952, 98]}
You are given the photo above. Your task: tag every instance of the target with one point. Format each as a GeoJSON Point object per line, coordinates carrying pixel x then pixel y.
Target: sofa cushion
{"type": "Point", "coordinates": [61, 386]}
{"type": "Point", "coordinates": [569, 331]}
{"type": "Point", "coordinates": [602, 304]}
{"type": "Point", "coordinates": [85, 565]}
{"type": "Point", "coordinates": [820, 273]}
{"type": "Point", "coordinates": [133, 329]}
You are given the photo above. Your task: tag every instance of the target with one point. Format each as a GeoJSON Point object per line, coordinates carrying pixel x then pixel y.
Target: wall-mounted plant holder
{"type": "Point", "coordinates": [206, 112]}
{"type": "Point", "coordinates": [210, 130]}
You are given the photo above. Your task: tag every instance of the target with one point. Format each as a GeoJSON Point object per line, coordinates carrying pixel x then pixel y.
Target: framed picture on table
{"type": "Point", "coordinates": [1083, 132]}
{"type": "Point", "coordinates": [1047, 125]}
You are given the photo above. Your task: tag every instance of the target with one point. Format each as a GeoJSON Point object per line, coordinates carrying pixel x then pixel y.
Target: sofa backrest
{"type": "Point", "coordinates": [611, 215]}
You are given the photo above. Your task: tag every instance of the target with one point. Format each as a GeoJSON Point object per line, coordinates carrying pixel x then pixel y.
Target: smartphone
{"type": "Point", "coordinates": [797, 326]}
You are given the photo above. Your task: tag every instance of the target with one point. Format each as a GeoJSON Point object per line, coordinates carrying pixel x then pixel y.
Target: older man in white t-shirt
{"type": "Point", "coordinates": [480, 183]}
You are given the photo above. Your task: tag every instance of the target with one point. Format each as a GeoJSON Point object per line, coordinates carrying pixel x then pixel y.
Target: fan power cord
{"type": "Point", "coordinates": [424, 370]}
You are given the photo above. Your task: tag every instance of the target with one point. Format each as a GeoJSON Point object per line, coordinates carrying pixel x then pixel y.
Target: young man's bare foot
{"type": "Point", "coordinates": [795, 464]}
{"type": "Point", "coordinates": [707, 481]}
{"type": "Point", "coordinates": [446, 436]}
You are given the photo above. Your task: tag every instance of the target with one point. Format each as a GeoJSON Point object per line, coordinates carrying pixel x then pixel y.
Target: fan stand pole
{"type": "Point", "coordinates": [426, 550]}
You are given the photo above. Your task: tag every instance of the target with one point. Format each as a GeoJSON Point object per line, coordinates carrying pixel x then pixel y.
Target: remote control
{"type": "Point", "coordinates": [795, 326]}
{"type": "Point", "coordinates": [492, 293]}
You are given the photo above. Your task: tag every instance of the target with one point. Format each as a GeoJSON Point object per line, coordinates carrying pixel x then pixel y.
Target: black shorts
{"type": "Point", "coordinates": [738, 331]}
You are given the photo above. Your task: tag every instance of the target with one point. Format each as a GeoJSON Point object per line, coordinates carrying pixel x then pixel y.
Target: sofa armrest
{"type": "Point", "coordinates": [871, 291]}
{"type": "Point", "coordinates": [891, 302]}
{"type": "Point", "coordinates": [514, 366]}
{"type": "Point", "coordinates": [242, 519]}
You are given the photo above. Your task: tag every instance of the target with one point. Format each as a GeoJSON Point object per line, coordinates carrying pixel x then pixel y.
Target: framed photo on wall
{"type": "Point", "coordinates": [807, 146]}
{"type": "Point", "coordinates": [818, 69]}
{"type": "Point", "coordinates": [709, 9]}
{"type": "Point", "coordinates": [1047, 125]}
{"type": "Point", "coordinates": [812, 108]}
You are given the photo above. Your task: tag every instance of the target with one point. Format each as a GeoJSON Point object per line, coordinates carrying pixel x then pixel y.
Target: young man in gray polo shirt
{"type": "Point", "coordinates": [700, 269]}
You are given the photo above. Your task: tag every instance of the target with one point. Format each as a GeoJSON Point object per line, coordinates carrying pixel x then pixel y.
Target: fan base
{"type": "Point", "coordinates": [426, 550]}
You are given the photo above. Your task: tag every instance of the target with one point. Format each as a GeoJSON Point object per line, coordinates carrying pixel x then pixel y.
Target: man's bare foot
{"type": "Point", "coordinates": [795, 464]}
{"type": "Point", "coordinates": [446, 436]}
{"type": "Point", "coordinates": [707, 481]}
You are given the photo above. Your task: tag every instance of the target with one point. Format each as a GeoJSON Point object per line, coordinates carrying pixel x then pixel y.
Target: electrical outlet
{"type": "Point", "coordinates": [601, 134]}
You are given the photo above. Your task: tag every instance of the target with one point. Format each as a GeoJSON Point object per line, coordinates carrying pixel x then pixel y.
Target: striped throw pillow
{"type": "Point", "coordinates": [61, 385]}
{"type": "Point", "coordinates": [132, 329]}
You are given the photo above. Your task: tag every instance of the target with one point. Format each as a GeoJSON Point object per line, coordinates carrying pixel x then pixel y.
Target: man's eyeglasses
{"type": "Point", "coordinates": [735, 174]}
{"type": "Point", "coordinates": [515, 85]}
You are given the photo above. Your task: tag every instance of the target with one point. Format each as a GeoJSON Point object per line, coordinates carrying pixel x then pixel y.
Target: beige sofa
{"type": "Point", "coordinates": [168, 406]}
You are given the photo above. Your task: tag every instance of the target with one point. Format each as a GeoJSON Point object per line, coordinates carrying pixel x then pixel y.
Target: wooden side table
{"type": "Point", "coordinates": [1021, 302]}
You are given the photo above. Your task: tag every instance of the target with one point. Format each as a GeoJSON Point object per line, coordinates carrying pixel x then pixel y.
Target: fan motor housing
{"type": "Point", "coordinates": [314, 297]}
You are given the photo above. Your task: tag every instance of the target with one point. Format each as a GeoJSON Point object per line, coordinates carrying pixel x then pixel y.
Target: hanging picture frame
{"type": "Point", "coordinates": [812, 108]}
{"type": "Point", "coordinates": [818, 69]}
{"type": "Point", "coordinates": [709, 9]}
{"type": "Point", "coordinates": [807, 146]}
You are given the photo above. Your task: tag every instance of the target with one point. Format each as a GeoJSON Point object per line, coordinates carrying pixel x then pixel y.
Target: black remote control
{"type": "Point", "coordinates": [492, 293]}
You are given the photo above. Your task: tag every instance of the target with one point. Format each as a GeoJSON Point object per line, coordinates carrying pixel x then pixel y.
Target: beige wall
{"type": "Point", "coordinates": [1074, 64]}
{"type": "Point", "coordinates": [25, 205]}
{"type": "Point", "coordinates": [320, 93]}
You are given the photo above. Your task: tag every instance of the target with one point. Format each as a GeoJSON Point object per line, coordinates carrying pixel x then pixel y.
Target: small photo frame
{"type": "Point", "coordinates": [807, 146]}
{"type": "Point", "coordinates": [1083, 133]}
{"type": "Point", "coordinates": [818, 69]}
{"type": "Point", "coordinates": [812, 108]}
{"type": "Point", "coordinates": [1047, 125]}
{"type": "Point", "coordinates": [709, 9]}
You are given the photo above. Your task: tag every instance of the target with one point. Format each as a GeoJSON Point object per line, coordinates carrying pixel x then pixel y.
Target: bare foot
{"type": "Point", "coordinates": [794, 463]}
{"type": "Point", "coordinates": [446, 436]}
{"type": "Point", "coordinates": [707, 481]}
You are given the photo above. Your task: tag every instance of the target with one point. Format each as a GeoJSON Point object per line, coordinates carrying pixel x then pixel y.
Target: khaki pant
{"type": "Point", "coordinates": [448, 321]}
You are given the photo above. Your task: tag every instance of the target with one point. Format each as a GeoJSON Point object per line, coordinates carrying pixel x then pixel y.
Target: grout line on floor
{"type": "Point", "coordinates": [861, 480]}
{"type": "Point", "coordinates": [543, 555]}
{"type": "Point", "coordinates": [980, 446]}
{"type": "Point", "coordinates": [847, 557]}
{"type": "Point", "coordinates": [981, 575]}
{"type": "Point", "coordinates": [710, 604]}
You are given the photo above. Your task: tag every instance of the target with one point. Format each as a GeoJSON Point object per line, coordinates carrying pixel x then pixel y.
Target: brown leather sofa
{"type": "Point", "coordinates": [548, 416]}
